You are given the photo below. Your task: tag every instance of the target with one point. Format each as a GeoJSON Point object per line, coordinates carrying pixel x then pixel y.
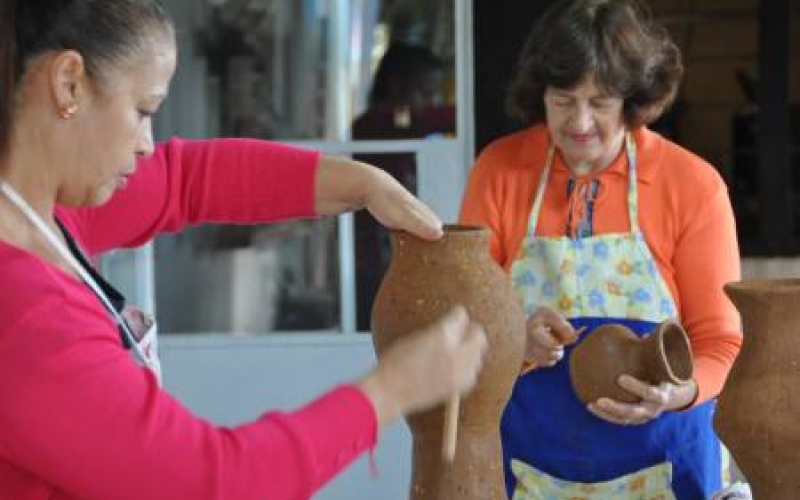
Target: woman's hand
{"type": "Point", "coordinates": [426, 368]}
{"type": "Point", "coordinates": [344, 185]}
{"type": "Point", "coordinates": [655, 400]}
{"type": "Point", "coordinates": [394, 207]}
{"type": "Point", "coordinates": [548, 333]}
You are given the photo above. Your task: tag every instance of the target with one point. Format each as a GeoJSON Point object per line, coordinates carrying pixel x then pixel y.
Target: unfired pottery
{"type": "Point", "coordinates": [609, 351]}
{"type": "Point", "coordinates": [424, 281]}
{"type": "Point", "coordinates": [758, 414]}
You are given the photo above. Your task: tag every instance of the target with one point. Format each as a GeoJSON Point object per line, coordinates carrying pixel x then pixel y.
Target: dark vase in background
{"type": "Point", "coordinates": [758, 414]}
{"type": "Point", "coordinates": [609, 351]}
{"type": "Point", "coordinates": [424, 281]}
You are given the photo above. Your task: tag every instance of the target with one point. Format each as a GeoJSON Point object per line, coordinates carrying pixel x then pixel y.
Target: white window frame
{"type": "Point", "coordinates": [442, 166]}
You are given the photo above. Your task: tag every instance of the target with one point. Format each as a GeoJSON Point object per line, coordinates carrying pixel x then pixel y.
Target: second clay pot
{"type": "Point", "coordinates": [609, 351]}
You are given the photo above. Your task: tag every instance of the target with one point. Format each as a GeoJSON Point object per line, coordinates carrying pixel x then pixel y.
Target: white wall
{"type": "Point", "coordinates": [284, 372]}
{"type": "Point", "coordinates": [769, 268]}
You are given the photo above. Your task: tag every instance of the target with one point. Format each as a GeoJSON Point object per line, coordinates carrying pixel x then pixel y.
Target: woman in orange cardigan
{"type": "Point", "coordinates": [598, 219]}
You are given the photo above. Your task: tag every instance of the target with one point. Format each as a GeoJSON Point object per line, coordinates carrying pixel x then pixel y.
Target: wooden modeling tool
{"type": "Point", "coordinates": [450, 429]}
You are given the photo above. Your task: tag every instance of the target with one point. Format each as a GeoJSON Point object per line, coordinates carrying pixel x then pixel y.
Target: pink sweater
{"type": "Point", "coordinates": [79, 420]}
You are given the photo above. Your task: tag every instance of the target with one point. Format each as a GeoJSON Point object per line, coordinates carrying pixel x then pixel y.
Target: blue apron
{"type": "Point", "coordinates": [610, 278]}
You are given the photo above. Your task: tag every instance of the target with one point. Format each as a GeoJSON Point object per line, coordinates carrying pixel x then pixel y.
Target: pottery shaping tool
{"type": "Point", "coordinates": [450, 429]}
{"type": "Point", "coordinates": [530, 365]}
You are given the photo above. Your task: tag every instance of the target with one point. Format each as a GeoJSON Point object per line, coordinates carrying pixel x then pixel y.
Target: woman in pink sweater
{"type": "Point", "coordinates": [82, 414]}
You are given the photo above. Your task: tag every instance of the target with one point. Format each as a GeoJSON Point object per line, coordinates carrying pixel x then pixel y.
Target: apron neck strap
{"type": "Point", "coordinates": [633, 202]}
{"type": "Point", "coordinates": [15, 198]}
{"type": "Point", "coordinates": [633, 197]}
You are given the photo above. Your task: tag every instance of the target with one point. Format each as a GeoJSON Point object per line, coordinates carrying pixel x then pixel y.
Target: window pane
{"type": "Point", "coordinates": [248, 280]}
{"type": "Point", "coordinates": [288, 69]}
{"type": "Point", "coordinates": [332, 70]}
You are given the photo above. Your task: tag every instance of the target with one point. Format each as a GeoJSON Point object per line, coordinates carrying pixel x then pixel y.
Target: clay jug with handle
{"type": "Point", "coordinates": [758, 413]}
{"type": "Point", "coordinates": [611, 350]}
{"type": "Point", "coordinates": [425, 280]}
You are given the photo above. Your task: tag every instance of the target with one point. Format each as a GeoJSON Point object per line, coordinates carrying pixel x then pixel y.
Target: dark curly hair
{"type": "Point", "coordinates": [617, 41]}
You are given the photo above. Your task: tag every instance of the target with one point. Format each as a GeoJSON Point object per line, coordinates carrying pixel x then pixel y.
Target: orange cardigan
{"type": "Point", "coordinates": [684, 213]}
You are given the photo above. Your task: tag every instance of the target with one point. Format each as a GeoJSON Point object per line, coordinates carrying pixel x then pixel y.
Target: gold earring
{"type": "Point", "coordinates": [68, 111]}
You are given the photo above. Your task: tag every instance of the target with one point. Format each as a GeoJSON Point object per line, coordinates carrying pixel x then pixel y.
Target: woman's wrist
{"type": "Point", "coordinates": [342, 185]}
{"type": "Point", "coordinates": [386, 408]}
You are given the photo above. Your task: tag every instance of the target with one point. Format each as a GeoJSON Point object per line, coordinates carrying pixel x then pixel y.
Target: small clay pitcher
{"type": "Point", "coordinates": [425, 280]}
{"type": "Point", "coordinates": [758, 411]}
{"type": "Point", "coordinates": [611, 350]}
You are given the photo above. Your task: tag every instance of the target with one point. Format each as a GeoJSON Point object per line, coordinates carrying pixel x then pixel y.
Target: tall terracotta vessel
{"type": "Point", "coordinates": [425, 280]}
{"type": "Point", "coordinates": [758, 415]}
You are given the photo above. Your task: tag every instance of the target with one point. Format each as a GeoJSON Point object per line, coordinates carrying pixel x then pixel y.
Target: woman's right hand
{"type": "Point", "coordinates": [427, 367]}
{"type": "Point", "coordinates": [344, 185]}
{"type": "Point", "coordinates": [548, 332]}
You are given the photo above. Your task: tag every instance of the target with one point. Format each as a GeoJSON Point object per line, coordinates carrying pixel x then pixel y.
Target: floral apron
{"type": "Point", "coordinates": [553, 447]}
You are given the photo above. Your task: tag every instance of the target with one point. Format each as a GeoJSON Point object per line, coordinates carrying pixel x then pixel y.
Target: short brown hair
{"type": "Point", "coordinates": [630, 56]}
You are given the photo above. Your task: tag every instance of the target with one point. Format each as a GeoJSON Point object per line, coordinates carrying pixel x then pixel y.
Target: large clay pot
{"type": "Point", "coordinates": [609, 351]}
{"type": "Point", "coordinates": [424, 281]}
{"type": "Point", "coordinates": [758, 414]}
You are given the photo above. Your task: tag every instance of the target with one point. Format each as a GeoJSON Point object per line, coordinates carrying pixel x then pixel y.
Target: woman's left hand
{"type": "Point", "coordinates": [655, 400]}
{"type": "Point", "coordinates": [344, 185]}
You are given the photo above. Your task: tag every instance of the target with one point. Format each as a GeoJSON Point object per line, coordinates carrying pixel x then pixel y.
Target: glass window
{"type": "Point", "coordinates": [333, 71]}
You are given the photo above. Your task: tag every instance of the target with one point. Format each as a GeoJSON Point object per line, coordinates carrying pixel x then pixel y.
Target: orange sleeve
{"type": "Point", "coordinates": [706, 257]}
{"type": "Point", "coordinates": [481, 204]}
{"type": "Point", "coordinates": [500, 190]}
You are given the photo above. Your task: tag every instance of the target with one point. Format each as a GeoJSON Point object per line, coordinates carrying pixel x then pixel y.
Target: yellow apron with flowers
{"type": "Point", "coordinates": [553, 447]}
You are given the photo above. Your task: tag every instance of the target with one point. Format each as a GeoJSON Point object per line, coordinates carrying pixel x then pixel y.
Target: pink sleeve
{"type": "Point", "coordinates": [189, 182]}
{"type": "Point", "coordinates": [77, 412]}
